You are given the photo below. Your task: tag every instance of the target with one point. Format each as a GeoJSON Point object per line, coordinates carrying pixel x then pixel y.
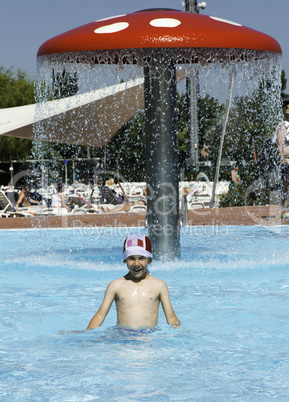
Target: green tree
{"type": "Point", "coordinates": [64, 84]}
{"type": "Point", "coordinates": [182, 128]}
{"type": "Point", "coordinates": [12, 148]}
{"type": "Point", "coordinates": [16, 89]}
{"type": "Point", "coordinates": [248, 140]}
{"type": "Point", "coordinates": [210, 115]}
{"type": "Point", "coordinates": [128, 145]}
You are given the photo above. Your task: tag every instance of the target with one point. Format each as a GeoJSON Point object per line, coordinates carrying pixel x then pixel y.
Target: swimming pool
{"type": "Point", "coordinates": [230, 290]}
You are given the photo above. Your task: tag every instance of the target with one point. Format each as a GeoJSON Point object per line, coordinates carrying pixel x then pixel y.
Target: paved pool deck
{"type": "Point", "coordinates": [246, 216]}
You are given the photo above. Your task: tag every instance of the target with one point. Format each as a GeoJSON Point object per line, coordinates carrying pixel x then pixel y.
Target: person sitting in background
{"type": "Point", "coordinates": [235, 175]}
{"type": "Point", "coordinates": [120, 202]}
{"type": "Point", "coordinates": [110, 182]}
{"type": "Point", "coordinates": [109, 196]}
{"type": "Point", "coordinates": [143, 199]}
{"type": "Point", "coordinates": [184, 206]}
{"type": "Point", "coordinates": [205, 151]}
{"type": "Point", "coordinates": [25, 198]}
{"type": "Point", "coordinates": [58, 199]}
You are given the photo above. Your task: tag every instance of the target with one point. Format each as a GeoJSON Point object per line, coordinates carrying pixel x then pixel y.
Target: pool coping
{"type": "Point", "coordinates": [246, 216]}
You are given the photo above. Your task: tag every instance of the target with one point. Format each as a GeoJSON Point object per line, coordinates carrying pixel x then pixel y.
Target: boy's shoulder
{"type": "Point", "coordinates": [117, 281]}
{"type": "Point", "coordinates": [156, 281]}
{"type": "Point", "coordinates": [115, 284]}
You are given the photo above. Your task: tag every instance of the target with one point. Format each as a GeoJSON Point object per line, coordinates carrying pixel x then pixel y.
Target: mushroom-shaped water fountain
{"type": "Point", "coordinates": [160, 40]}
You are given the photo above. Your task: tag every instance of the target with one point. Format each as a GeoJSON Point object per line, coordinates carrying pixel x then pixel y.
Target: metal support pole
{"type": "Point", "coordinates": [162, 158]}
{"type": "Point", "coordinates": [192, 89]}
{"type": "Point", "coordinates": [73, 174]}
{"type": "Point", "coordinates": [42, 176]}
{"type": "Point", "coordinates": [193, 128]}
{"type": "Point", "coordinates": [11, 174]}
{"type": "Point", "coordinates": [65, 172]}
{"type": "Point", "coordinates": [191, 6]}
{"type": "Point", "coordinates": [104, 160]}
{"type": "Point", "coordinates": [228, 104]}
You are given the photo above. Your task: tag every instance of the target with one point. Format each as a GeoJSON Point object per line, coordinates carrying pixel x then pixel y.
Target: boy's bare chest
{"type": "Point", "coordinates": [136, 292]}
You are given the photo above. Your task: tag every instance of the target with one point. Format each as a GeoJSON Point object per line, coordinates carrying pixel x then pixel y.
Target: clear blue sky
{"type": "Point", "coordinates": [26, 24]}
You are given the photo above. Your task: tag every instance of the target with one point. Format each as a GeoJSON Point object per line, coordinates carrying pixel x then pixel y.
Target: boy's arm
{"type": "Point", "coordinates": [99, 317]}
{"type": "Point", "coordinates": [171, 317]}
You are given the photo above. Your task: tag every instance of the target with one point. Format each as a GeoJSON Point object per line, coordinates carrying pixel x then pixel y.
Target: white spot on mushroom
{"type": "Point", "coordinates": [165, 22]}
{"type": "Point", "coordinates": [226, 21]}
{"type": "Point", "coordinates": [118, 26]}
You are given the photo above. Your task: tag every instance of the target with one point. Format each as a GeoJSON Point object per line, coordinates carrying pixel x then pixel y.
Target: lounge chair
{"type": "Point", "coordinates": [138, 208]}
{"type": "Point", "coordinates": [4, 214]}
{"type": "Point", "coordinates": [85, 209]}
{"type": "Point", "coordinates": [81, 205]}
{"type": "Point", "coordinates": [108, 195]}
{"type": "Point", "coordinates": [7, 207]}
{"type": "Point", "coordinates": [12, 195]}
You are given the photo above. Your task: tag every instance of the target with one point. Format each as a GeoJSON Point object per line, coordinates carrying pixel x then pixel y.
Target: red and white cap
{"type": "Point", "coordinates": [137, 244]}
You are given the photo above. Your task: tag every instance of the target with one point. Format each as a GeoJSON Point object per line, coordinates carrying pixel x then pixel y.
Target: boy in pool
{"type": "Point", "coordinates": [137, 295]}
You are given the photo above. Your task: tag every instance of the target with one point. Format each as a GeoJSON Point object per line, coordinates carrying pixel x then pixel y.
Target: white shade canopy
{"type": "Point", "coordinates": [99, 115]}
{"type": "Point", "coordinates": [57, 118]}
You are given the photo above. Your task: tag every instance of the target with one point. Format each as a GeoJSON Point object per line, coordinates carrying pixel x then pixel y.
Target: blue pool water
{"type": "Point", "coordinates": [230, 290]}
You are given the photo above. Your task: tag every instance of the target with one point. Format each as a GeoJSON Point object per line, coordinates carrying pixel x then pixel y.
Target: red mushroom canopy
{"type": "Point", "coordinates": [166, 29]}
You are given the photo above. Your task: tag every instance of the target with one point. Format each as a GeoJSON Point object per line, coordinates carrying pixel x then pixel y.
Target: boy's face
{"type": "Point", "coordinates": [137, 265]}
